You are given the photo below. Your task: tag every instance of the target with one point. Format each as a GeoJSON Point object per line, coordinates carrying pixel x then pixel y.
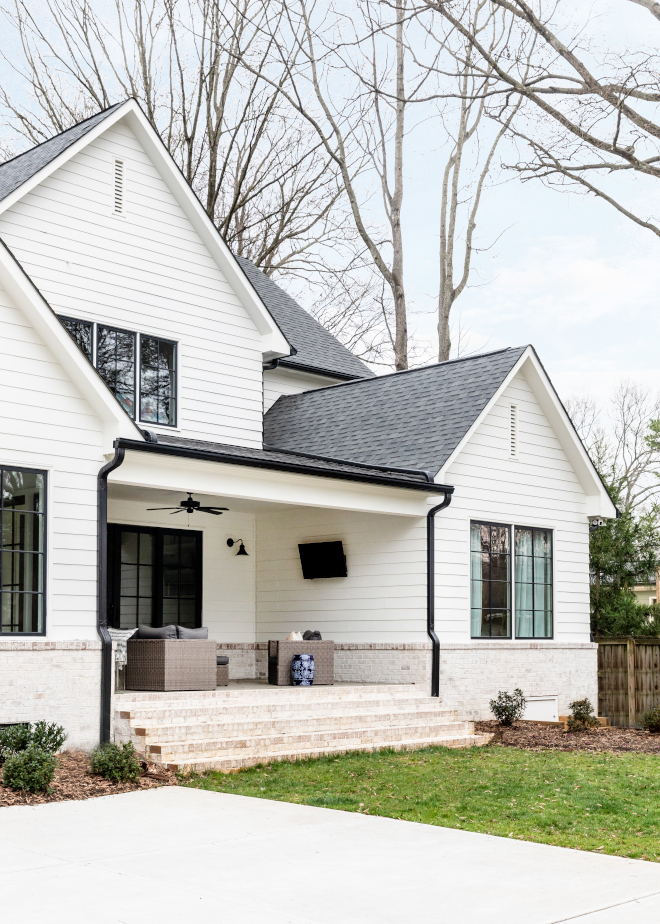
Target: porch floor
{"type": "Point", "coordinates": [251, 722]}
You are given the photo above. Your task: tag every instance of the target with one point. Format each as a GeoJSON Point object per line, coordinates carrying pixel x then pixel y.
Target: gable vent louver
{"type": "Point", "coordinates": [513, 432]}
{"type": "Point", "coordinates": [119, 188]}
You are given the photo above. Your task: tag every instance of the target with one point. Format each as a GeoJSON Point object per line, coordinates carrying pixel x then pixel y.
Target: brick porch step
{"type": "Point", "coordinates": [233, 727]}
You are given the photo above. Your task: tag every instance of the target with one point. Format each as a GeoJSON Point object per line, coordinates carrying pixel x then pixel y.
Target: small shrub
{"type": "Point", "coordinates": [582, 716]}
{"type": "Point", "coordinates": [48, 736]}
{"type": "Point", "coordinates": [508, 707]}
{"type": "Point", "coordinates": [31, 770]}
{"type": "Point", "coordinates": [44, 736]}
{"type": "Point", "coordinates": [651, 720]}
{"type": "Point", "coordinates": [117, 763]}
{"type": "Point", "coordinates": [13, 739]}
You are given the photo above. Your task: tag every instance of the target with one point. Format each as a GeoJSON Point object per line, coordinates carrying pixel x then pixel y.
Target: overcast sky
{"type": "Point", "coordinates": [571, 276]}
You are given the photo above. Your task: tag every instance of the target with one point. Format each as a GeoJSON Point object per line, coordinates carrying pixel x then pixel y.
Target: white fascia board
{"type": "Point", "coordinates": [274, 343]}
{"type": "Point", "coordinates": [223, 480]}
{"type": "Point", "coordinates": [598, 502]}
{"type": "Point", "coordinates": [20, 288]}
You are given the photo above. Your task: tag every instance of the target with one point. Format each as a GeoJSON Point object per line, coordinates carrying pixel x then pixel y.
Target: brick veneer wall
{"type": "Point", "coordinates": [471, 674]}
{"type": "Point", "coordinates": [361, 662]}
{"type": "Point", "coordinates": [55, 681]}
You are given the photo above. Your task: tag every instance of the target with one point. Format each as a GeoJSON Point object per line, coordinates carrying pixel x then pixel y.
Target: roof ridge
{"type": "Point", "coordinates": [94, 115]}
{"type": "Point", "coordinates": [388, 375]}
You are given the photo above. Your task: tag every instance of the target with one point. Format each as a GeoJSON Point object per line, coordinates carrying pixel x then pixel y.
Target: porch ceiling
{"type": "Point", "coordinates": [145, 476]}
{"type": "Point", "coordinates": [170, 498]}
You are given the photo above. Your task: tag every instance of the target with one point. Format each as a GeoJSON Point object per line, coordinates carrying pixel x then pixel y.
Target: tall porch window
{"type": "Point", "coordinates": [155, 577]}
{"type": "Point", "coordinates": [533, 570]}
{"type": "Point", "coordinates": [22, 555]}
{"type": "Point", "coordinates": [490, 578]}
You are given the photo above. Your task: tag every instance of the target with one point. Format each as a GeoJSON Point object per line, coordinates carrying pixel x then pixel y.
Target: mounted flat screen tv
{"type": "Point", "coordinates": [322, 560]}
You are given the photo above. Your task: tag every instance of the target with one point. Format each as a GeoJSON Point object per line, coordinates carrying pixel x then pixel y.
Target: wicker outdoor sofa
{"type": "Point", "coordinates": [163, 664]}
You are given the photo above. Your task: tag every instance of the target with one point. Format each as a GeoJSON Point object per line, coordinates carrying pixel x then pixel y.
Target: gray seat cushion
{"type": "Point", "coordinates": [221, 659]}
{"type": "Point", "coordinates": [192, 633]}
{"type": "Point", "coordinates": [150, 632]}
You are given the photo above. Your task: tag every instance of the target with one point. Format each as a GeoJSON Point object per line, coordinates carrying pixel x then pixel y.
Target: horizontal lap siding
{"type": "Point", "coordinates": [539, 488]}
{"type": "Point", "coordinates": [146, 271]}
{"type": "Point", "coordinates": [46, 423]}
{"type": "Point", "coordinates": [383, 599]}
{"type": "Point", "coordinates": [283, 381]}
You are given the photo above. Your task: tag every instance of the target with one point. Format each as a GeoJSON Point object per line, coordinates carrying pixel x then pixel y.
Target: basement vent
{"type": "Point", "coordinates": [119, 188]}
{"type": "Point", "coordinates": [513, 432]}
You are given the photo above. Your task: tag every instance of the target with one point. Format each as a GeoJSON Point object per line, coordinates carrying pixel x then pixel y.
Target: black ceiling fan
{"type": "Point", "coordinates": [190, 506]}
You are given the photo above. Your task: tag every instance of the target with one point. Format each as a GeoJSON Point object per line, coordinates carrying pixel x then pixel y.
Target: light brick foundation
{"type": "Point", "coordinates": [55, 681]}
{"type": "Point", "coordinates": [471, 674]}
{"type": "Point", "coordinates": [361, 662]}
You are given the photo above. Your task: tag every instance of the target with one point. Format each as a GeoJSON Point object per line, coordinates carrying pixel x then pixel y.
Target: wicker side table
{"type": "Point", "coordinates": [171, 664]}
{"type": "Point", "coordinates": [281, 653]}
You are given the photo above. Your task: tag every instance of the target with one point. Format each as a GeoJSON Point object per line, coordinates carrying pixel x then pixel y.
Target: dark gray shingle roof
{"type": "Point", "coordinates": [15, 172]}
{"type": "Point", "coordinates": [411, 419]}
{"type": "Point", "coordinates": [284, 461]}
{"type": "Point", "coordinates": [316, 348]}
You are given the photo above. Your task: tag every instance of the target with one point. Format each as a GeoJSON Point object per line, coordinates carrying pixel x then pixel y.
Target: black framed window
{"type": "Point", "coordinates": [155, 577]}
{"type": "Point", "coordinates": [533, 576]}
{"type": "Point", "coordinates": [82, 332]}
{"type": "Point", "coordinates": [157, 381]}
{"type": "Point", "coordinates": [22, 551]}
{"type": "Point", "coordinates": [115, 361]}
{"type": "Point", "coordinates": [490, 578]}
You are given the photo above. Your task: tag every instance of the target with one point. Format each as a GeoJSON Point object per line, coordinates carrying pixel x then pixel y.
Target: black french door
{"type": "Point", "coordinates": [154, 577]}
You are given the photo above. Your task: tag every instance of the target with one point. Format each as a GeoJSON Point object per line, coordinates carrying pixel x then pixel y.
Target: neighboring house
{"type": "Point", "coordinates": [140, 361]}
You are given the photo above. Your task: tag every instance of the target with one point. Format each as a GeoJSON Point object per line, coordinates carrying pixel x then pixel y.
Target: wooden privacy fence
{"type": "Point", "coordinates": [628, 678]}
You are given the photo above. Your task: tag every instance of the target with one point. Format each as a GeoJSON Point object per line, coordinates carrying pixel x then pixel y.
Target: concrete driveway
{"type": "Point", "coordinates": [183, 855]}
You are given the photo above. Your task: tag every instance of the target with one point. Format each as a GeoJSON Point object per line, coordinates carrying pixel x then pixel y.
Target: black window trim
{"type": "Point", "coordinates": [496, 638]}
{"type": "Point", "coordinates": [137, 369]}
{"type": "Point", "coordinates": [175, 343]}
{"type": "Point", "coordinates": [533, 638]}
{"type": "Point", "coordinates": [44, 592]}
{"type": "Point", "coordinates": [114, 571]}
{"type": "Point", "coordinates": [512, 579]}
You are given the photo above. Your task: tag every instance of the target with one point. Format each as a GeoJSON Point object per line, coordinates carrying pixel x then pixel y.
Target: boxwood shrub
{"type": "Point", "coordinates": [118, 763]}
{"type": "Point", "coordinates": [31, 770]}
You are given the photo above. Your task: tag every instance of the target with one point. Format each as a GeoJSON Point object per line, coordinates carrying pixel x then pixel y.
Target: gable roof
{"type": "Point", "coordinates": [21, 174]}
{"type": "Point", "coordinates": [316, 349]}
{"type": "Point", "coordinates": [413, 419]}
{"type": "Point", "coordinates": [18, 170]}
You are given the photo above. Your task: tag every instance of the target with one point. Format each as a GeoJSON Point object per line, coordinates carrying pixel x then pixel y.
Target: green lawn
{"type": "Point", "coordinates": [604, 802]}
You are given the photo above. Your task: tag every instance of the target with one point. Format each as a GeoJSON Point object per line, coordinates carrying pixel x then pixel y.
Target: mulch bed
{"type": "Point", "coordinates": [73, 780]}
{"type": "Point", "coordinates": [532, 736]}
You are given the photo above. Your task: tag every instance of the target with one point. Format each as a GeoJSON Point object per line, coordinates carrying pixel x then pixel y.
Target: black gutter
{"type": "Point", "coordinates": [272, 465]}
{"type": "Point", "coordinates": [316, 370]}
{"type": "Point", "coordinates": [430, 590]}
{"type": "Point", "coordinates": [102, 591]}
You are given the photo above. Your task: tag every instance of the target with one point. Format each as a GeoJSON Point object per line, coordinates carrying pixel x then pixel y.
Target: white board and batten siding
{"type": "Point", "coordinates": [142, 267]}
{"type": "Point", "coordinates": [46, 424]}
{"type": "Point", "coordinates": [285, 381]}
{"type": "Point", "coordinates": [513, 471]}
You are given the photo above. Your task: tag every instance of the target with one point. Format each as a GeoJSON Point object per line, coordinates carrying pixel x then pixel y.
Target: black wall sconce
{"type": "Point", "coordinates": [241, 547]}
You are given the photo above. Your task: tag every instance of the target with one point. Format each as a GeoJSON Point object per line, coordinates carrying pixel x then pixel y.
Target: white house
{"type": "Point", "coordinates": [140, 361]}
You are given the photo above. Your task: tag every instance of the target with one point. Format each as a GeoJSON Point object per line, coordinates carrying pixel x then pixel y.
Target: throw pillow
{"type": "Point", "coordinates": [192, 633]}
{"type": "Point", "coordinates": [150, 632]}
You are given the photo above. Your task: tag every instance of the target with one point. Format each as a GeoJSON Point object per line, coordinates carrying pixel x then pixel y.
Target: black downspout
{"type": "Point", "coordinates": [430, 591]}
{"type": "Point", "coordinates": [102, 592]}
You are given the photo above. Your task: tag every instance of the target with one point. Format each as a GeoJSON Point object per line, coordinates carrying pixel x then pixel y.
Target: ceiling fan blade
{"type": "Point", "coordinates": [179, 510]}
{"type": "Point", "coordinates": [217, 511]}
{"type": "Point", "coordinates": [162, 508]}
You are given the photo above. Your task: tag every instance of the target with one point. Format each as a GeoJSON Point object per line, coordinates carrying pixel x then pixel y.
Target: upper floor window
{"type": "Point", "coordinates": [22, 550]}
{"type": "Point", "coordinates": [115, 361]}
{"type": "Point", "coordinates": [139, 370]}
{"type": "Point", "coordinates": [83, 333]}
{"type": "Point", "coordinates": [157, 381]}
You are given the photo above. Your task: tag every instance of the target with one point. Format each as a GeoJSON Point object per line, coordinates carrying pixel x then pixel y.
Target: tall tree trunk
{"type": "Point", "coordinates": [401, 320]}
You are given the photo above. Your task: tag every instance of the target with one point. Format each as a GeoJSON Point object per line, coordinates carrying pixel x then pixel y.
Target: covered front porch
{"type": "Point", "coordinates": [238, 573]}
